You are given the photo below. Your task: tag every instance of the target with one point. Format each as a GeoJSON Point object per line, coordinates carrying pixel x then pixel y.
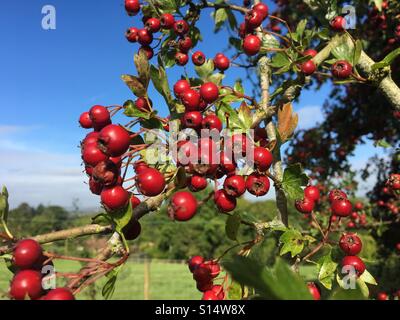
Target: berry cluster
{"type": "Point", "coordinates": [351, 245]}
{"type": "Point", "coordinates": [28, 261]}
{"type": "Point", "coordinates": [205, 273]}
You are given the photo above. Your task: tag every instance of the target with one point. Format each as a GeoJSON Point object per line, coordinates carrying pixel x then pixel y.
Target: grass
{"type": "Point", "coordinates": [167, 281]}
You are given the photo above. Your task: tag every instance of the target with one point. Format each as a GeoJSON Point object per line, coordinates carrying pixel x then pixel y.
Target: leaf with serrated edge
{"type": "Point", "coordinates": [368, 278]}
{"type": "Point", "coordinates": [232, 226]}
{"type": "Point", "coordinates": [287, 121]}
{"type": "Point", "coordinates": [293, 180]}
{"type": "Point", "coordinates": [292, 242]}
{"type": "Point", "coordinates": [135, 85]}
{"type": "Point", "coordinates": [327, 268]}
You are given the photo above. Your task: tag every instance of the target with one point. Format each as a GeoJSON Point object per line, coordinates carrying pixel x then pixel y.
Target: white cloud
{"type": "Point", "coordinates": [309, 116]}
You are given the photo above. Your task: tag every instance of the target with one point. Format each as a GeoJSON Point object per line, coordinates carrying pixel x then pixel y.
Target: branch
{"type": "Point", "coordinates": [207, 4]}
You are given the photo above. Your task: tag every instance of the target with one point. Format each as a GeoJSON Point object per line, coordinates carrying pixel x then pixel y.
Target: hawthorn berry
{"type": "Point", "coordinates": [243, 30]}
{"type": "Point", "coordinates": [92, 155]}
{"type": "Point", "coordinates": [91, 139]}
{"type": "Point", "coordinates": [262, 8]}
{"type": "Point", "coordinates": [182, 206]}
{"type": "Point", "coordinates": [310, 52]}
{"type": "Point", "coordinates": [26, 253]}
{"type": "Point", "coordinates": [167, 21]}
{"type": "Point", "coordinates": [203, 287]}
{"type": "Point", "coordinates": [26, 284]}
{"type": "Point", "coordinates": [394, 181]}
{"type": "Point", "coordinates": [181, 58]}
{"type": "Point", "coordinates": [251, 45]}
{"type": "Point", "coordinates": [350, 243]}
{"type": "Point", "coordinates": [181, 27]}
{"type": "Point", "coordinates": [95, 186]}
{"type": "Point", "coordinates": [202, 274]}
{"type": "Point", "coordinates": [262, 158]}
{"type": "Point", "coordinates": [185, 44]}
{"type": "Point", "coordinates": [235, 185]}
{"type": "Point", "coordinates": [355, 262]}
{"type": "Point", "coordinates": [211, 121]}
{"type": "Point", "coordinates": [257, 184]}
{"type": "Point", "coordinates": [338, 23]}
{"type": "Point", "coordinates": [312, 192]}
{"type": "Point", "coordinates": [143, 104]}
{"type": "Point", "coordinates": [254, 19]}
{"type": "Point", "coordinates": [132, 230]}
{"type": "Point", "coordinates": [132, 34]}
{"type": "Point", "coordinates": [132, 7]}
{"type": "Point", "coordinates": [148, 51]}
{"type": "Point", "coordinates": [135, 201]}
{"type": "Point", "coordinates": [305, 205]}
{"type": "Point", "coordinates": [197, 183]}
{"type": "Point", "coordinates": [237, 144]}
{"type": "Point", "coordinates": [150, 182]}
{"type": "Point", "coordinates": [308, 67]}
{"type": "Point", "coordinates": [341, 207]}
{"type": "Point", "coordinates": [223, 201]}
{"type": "Point", "coordinates": [336, 194]}
{"type": "Point", "coordinates": [358, 206]}
{"type": "Point", "coordinates": [106, 173]}
{"type": "Point", "coordinates": [382, 296]}
{"type": "Point", "coordinates": [221, 62]}
{"type": "Point", "coordinates": [140, 166]}
{"type": "Point", "coordinates": [191, 100]}
{"type": "Point", "coordinates": [209, 92]}
{"type": "Point", "coordinates": [114, 198]}
{"type": "Point", "coordinates": [153, 25]}
{"type": "Point", "coordinates": [227, 165]}
{"type": "Point", "coordinates": [180, 87]}
{"type": "Point", "coordinates": [194, 262]}
{"type": "Point", "coordinates": [213, 266]}
{"type": "Point", "coordinates": [219, 291]}
{"type": "Point", "coordinates": [114, 140]}
{"type": "Point", "coordinates": [100, 117]}
{"type": "Point", "coordinates": [85, 121]}
{"type": "Point", "coordinates": [192, 119]}
{"type": "Point", "coordinates": [342, 69]}
{"type": "Point", "coordinates": [210, 295]}
{"type": "Point", "coordinates": [198, 58]}
{"type": "Point", "coordinates": [314, 290]}
{"type": "Point", "coordinates": [145, 37]}
{"type": "Point", "coordinates": [59, 294]}
{"type": "Point", "coordinates": [186, 153]}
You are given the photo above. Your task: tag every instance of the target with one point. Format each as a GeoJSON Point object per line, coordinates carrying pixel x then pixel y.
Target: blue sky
{"type": "Point", "coordinates": [50, 76]}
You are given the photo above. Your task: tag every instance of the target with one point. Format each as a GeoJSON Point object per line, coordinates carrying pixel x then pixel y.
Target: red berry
{"type": "Point", "coordinates": [140, 166]}
{"type": "Point", "coordinates": [192, 119]}
{"type": "Point", "coordinates": [181, 27]}
{"type": "Point", "coordinates": [262, 158]}
{"type": "Point", "coordinates": [153, 25]}
{"type": "Point", "coordinates": [100, 117]}
{"type": "Point", "coordinates": [210, 295]}
{"type": "Point", "coordinates": [167, 21]}
{"type": "Point", "coordinates": [312, 192]}
{"type": "Point", "coordinates": [262, 8]}
{"type": "Point", "coordinates": [310, 52]}
{"type": "Point", "coordinates": [114, 198]}
{"type": "Point", "coordinates": [132, 7]}
{"type": "Point", "coordinates": [358, 206]}
{"type": "Point", "coordinates": [191, 100]}
{"type": "Point", "coordinates": [202, 274]}
{"type": "Point", "coordinates": [180, 87]}
{"type": "Point", "coordinates": [355, 262]}
{"type": "Point", "coordinates": [143, 104]}
{"type": "Point", "coordinates": [342, 69]}
{"type": "Point", "coordinates": [212, 122]}
{"type": "Point", "coordinates": [251, 45]}
{"type": "Point", "coordinates": [197, 183]}
{"type": "Point", "coordinates": [26, 284]}
{"type": "Point", "coordinates": [219, 291]}
{"type": "Point", "coordinates": [308, 67]}
{"type": "Point", "coordinates": [85, 121]}
{"type": "Point", "coordinates": [226, 163]}
{"type": "Point", "coordinates": [235, 186]}
{"type": "Point", "coordinates": [338, 23]}
{"type": "Point", "coordinates": [393, 182]}
{"type": "Point", "coordinates": [237, 144]}
{"type": "Point", "coordinates": [221, 62]}
{"type": "Point", "coordinates": [185, 44]}
{"type": "Point", "coordinates": [114, 140]}
{"type": "Point", "coordinates": [341, 207]}
{"type": "Point", "coordinates": [351, 244]}
{"type": "Point", "coordinates": [145, 37]}
{"type": "Point", "coordinates": [213, 266]}
{"type": "Point", "coordinates": [182, 206]}
{"type": "Point", "coordinates": [132, 230]}
{"type": "Point", "coordinates": [194, 262]}
{"type": "Point", "coordinates": [254, 19]}
{"type": "Point", "coordinates": [92, 155]}
{"type": "Point", "coordinates": [59, 294]}
{"type": "Point", "coordinates": [203, 287]}
{"type": "Point", "coordinates": [314, 290]}
{"type": "Point", "coordinates": [209, 92]}
{"type": "Point", "coordinates": [336, 194]}
{"type": "Point", "coordinates": [224, 202]}
{"type": "Point", "coordinates": [257, 184]}
{"type": "Point", "coordinates": [106, 173]}
{"type": "Point", "coordinates": [305, 205]}
{"type": "Point", "coordinates": [148, 51]}
{"type": "Point", "coordinates": [150, 182]}
{"type": "Point", "coordinates": [382, 296]}
{"type": "Point", "coordinates": [95, 187]}
{"type": "Point", "coordinates": [198, 58]}
{"type": "Point", "coordinates": [132, 34]}
{"type": "Point", "coordinates": [26, 253]}
{"type": "Point", "coordinates": [90, 139]}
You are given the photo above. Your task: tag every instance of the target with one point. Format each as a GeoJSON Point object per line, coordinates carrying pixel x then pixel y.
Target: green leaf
{"type": "Point", "coordinates": [122, 217]}
{"type": "Point", "coordinates": [159, 78]}
{"type": "Point", "coordinates": [109, 286]}
{"type": "Point", "coordinates": [279, 60]}
{"type": "Point", "coordinates": [378, 4]}
{"type": "Point", "coordinates": [135, 85]}
{"type": "Point", "coordinates": [269, 42]}
{"type": "Point", "coordinates": [205, 70]}
{"type": "Point", "coordinates": [152, 123]}
{"type": "Point", "coordinates": [280, 282]}
{"type": "Point", "coordinates": [238, 87]}
{"type": "Point", "coordinates": [343, 51]}
{"type": "Point", "coordinates": [220, 16]}
{"type": "Point", "coordinates": [232, 226]}
{"type": "Point", "coordinates": [216, 78]}
{"type": "Point", "coordinates": [143, 68]}
{"type": "Point", "coordinates": [357, 52]}
{"type": "Point", "coordinates": [180, 178]}
{"type": "Point", "coordinates": [235, 291]}
{"type": "Point", "coordinates": [387, 61]}
{"type": "Point", "coordinates": [224, 112]}
{"type": "Point", "coordinates": [292, 241]}
{"type": "Point", "coordinates": [294, 179]}
{"type": "Point", "coordinates": [363, 287]}
{"type": "Point", "coordinates": [102, 219]}
{"type": "Point", "coordinates": [236, 43]}
{"type": "Point", "coordinates": [347, 294]}
{"type": "Point", "coordinates": [300, 28]}
{"type": "Point", "coordinates": [4, 204]}
{"type": "Point", "coordinates": [327, 268]}
{"type": "Point", "coordinates": [245, 116]}
{"type": "Point", "coordinates": [368, 278]}
{"type": "Point", "coordinates": [382, 143]}
{"type": "Point", "coordinates": [130, 110]}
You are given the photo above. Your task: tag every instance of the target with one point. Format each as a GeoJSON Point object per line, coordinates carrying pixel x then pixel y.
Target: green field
{"type": "Point", "coordinates": [167, 281]}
